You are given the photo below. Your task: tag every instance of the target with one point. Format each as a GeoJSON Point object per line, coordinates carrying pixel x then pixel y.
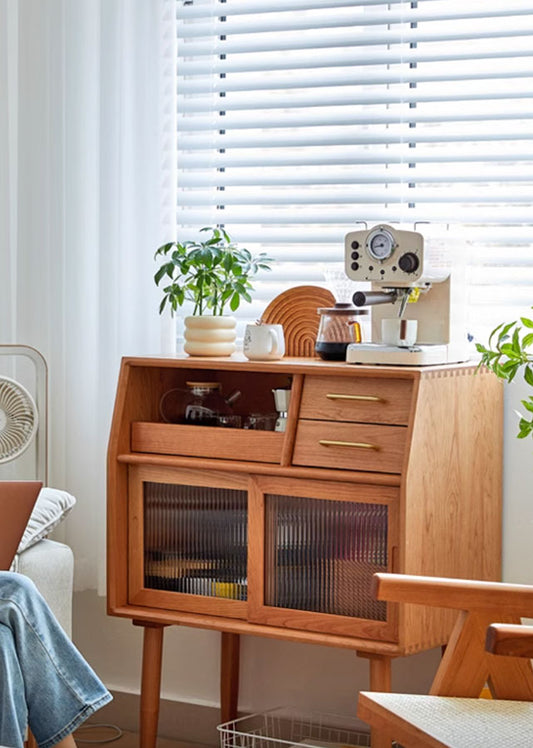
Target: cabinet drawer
{"type": "Point", "coordinates": [350, 446]}
{"type": "Point", "coordinates": [368, 400]}
{"type": "Point", "coordinates": [206, 441]}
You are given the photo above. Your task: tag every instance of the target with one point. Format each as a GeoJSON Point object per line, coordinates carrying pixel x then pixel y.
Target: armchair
{"type": "Point", "coordinates": [487, 632]}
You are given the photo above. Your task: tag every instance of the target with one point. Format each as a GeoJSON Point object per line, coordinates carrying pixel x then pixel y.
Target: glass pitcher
{"type": "Point", "coordinates": [339, 325]}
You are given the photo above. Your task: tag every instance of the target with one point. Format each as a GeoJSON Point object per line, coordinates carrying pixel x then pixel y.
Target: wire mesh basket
{"type": "Point", "coordinates": [286, 727]}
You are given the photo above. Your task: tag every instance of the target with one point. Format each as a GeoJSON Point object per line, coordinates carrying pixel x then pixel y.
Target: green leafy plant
{"type": "Point", "coordinates": [212, 274]}
{"type": "Point", "coordinates": [507, 353]}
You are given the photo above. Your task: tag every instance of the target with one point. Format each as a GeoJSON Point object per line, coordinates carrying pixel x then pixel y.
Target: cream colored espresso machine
{"type": "Point", "coordinates": [407, 281]}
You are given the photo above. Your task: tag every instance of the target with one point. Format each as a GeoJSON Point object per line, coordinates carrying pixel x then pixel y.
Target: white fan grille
{"type": "Point", "coordinates": [18, 419]}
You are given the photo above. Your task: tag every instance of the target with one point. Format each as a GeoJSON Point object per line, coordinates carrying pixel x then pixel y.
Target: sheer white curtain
{"type": "Point", "coordinates": [86, 195]}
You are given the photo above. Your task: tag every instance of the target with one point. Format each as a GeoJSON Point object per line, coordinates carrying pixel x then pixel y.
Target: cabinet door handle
{"type": "Point", "coordinates": [367, 398]}
{"type": "Point", "coordinates": [335, 443]}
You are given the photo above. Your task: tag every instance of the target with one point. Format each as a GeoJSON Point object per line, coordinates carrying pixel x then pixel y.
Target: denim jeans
{"type": "Point", "coordinates": [44, 681]}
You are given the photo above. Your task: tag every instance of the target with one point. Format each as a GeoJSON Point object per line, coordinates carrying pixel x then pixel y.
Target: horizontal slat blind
{"type": "Point", "coordinates": [297, 119]}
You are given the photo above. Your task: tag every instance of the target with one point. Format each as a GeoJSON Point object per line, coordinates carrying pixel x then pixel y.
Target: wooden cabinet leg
{"type": "Point", "coordinates": [150, 683]}
{"type": "Point", "coordinates": [380, 673]}
{"type": "Point", "coordinates": [229, 676]}
{"type": "Point", "coordinates": [380, 680]}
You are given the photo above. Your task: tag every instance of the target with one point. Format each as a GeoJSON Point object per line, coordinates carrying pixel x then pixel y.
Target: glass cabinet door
{"type": "Point", "coordinates": [320, 555]}
{"type": "Point", "coordinates": [322, 543]}
{"type": "Point", "coordinates": [189, 540]}
{"type": "Point", "coordinates": [195, 539]}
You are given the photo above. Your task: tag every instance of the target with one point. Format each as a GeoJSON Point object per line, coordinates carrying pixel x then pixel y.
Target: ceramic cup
{"type": "Point", "coordinates": [229, 421]}
{"type": "Point", "coordinates": [260, 421]}
{"type": "Point", "coordinates": [264, 342]}
{"type": "Point", "coordinates": [399, 332]}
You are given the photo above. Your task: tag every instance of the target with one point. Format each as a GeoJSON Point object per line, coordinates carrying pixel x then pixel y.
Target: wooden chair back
{"type": "Point", "coordinates": [488, 647]}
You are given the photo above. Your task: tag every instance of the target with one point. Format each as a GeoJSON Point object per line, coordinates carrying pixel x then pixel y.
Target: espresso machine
{"type": "Point", "coordinates": [408, 281]}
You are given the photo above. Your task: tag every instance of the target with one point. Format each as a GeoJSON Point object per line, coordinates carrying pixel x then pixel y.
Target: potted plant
{"type": "Point", "coordinates": [509, 352]}
{"type": "Point", "coordinates": [213, 275]}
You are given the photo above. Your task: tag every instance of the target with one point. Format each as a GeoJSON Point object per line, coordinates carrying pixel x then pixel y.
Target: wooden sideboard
{"type": "Point", "coordinates": [278, 534]}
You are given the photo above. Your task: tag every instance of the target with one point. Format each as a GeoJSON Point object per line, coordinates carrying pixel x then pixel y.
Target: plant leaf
{"type": "Point", "coordinates": [525, 428]}
{"type": "Point", "coordinates": [527, 340]}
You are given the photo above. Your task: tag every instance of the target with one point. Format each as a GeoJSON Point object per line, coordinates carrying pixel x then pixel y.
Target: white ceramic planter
{"type": "Point", "coordinates": [207, 335]}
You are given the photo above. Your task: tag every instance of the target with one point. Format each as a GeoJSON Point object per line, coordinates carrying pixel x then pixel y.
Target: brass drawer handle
{"type": "Point", "coordinates": [367, 398]}
{"type": "Point", "coordinates": [359, 445]}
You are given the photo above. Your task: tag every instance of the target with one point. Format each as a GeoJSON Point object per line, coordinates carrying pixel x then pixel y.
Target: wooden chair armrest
{"type": "Point", "coordinates": [460, 594]}
{"type": "Point", "coordinates": [510, 639]}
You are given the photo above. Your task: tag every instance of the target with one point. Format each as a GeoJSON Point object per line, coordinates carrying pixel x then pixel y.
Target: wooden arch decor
{"type": "Point", "coordinates": [296, 310]}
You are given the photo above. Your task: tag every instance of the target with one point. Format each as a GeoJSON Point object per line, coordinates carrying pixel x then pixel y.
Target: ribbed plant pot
{"type": "Point", "coordinates": [207, 335]}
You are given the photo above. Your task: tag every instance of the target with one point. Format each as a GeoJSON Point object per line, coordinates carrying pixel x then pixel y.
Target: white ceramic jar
{"type": "Point", "coordinates": [209, 335]}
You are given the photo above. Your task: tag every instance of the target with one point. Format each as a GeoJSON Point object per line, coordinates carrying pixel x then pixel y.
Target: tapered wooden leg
{"type": "Point", "coordinates": [229, 676]}
{"type": "Point", "coordinates": [380, 680]}
{"type": "Point", "coordinates": [380, 672]}
{"type": "Point", "coordinates": [150, 683]}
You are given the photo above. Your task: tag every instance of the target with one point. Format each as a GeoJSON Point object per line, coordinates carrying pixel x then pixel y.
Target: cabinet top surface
{"type": "Point", "coordinates": [294, 365]}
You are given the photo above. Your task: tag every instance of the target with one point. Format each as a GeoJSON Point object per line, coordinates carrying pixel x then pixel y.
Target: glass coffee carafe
{"type": "Point", "coordinates": [200, 404]}
{"type": "Point", "coordinates": [339, 326]}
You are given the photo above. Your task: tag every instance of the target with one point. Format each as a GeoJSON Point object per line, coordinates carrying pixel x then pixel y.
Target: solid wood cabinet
{"type": "Point", "coordinates": [279, 533]}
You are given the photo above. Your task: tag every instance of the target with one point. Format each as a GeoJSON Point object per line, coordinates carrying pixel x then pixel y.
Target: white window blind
{"type": "Point", "coordinates": [297, 119]}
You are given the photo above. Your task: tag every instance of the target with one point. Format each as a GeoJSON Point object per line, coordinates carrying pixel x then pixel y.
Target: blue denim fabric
{"type": "Point", "coordinates": [44, 681]}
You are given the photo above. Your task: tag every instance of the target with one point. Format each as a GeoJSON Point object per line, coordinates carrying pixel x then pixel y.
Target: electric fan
{"type": "Point", "coordinates": [19, 419]}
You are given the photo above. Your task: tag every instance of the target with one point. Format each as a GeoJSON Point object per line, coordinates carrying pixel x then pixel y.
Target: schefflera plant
{"type": "Point", "coordinates": [213, 274]}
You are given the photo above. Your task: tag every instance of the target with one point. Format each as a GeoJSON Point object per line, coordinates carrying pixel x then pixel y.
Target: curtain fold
{"type": "Point", "coordinates": [84, 202]}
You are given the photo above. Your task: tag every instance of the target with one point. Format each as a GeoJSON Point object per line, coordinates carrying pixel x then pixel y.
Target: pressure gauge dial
{"type": "Point", "coordinates": [380, 244]}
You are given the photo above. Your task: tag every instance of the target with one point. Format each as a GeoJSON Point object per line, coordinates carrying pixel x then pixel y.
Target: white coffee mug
{"type": "Point", "coordinates": [263, 342]}
{"type": "Point", "coordinates": [399, 332]}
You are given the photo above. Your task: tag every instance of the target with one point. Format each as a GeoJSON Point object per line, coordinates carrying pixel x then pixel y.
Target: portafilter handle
{"type": "Point", "coordinates": [370, 298]}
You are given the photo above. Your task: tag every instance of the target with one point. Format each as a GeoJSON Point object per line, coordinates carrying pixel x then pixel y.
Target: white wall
{"type": "Point", "coordinates": [517, 491]}
{"type": "Point", "coordinates": [278, 672]}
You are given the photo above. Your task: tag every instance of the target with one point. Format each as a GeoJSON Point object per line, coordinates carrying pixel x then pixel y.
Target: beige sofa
{"type": "Point", "coordinates": [51, 566]}
{"type": "Point", "coordinates": [48, 563]}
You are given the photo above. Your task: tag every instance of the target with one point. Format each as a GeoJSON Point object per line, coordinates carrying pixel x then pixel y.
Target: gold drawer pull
{"type": "Point", "coordinates": [367, 398]}
{"type": "Point", "coordinates": [334, 443]}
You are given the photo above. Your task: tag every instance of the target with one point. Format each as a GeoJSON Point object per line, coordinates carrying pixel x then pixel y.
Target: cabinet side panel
{"type": "Point", "coordinates": [452, 493]}
{"type": "Point", "coordinates": [117, 494]}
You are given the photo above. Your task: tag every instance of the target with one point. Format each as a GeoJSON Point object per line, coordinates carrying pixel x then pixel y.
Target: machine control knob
{"type": "Point", "coordinates": [409, 262]}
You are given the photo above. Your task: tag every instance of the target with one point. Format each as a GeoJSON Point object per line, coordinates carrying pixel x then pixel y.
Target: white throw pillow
{"type": "Point", "coordinates": [50, 509]}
